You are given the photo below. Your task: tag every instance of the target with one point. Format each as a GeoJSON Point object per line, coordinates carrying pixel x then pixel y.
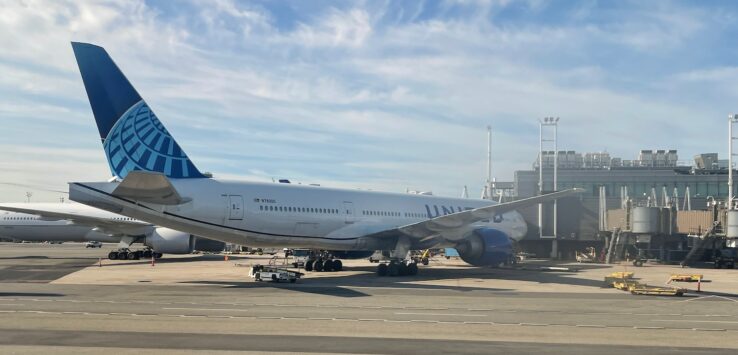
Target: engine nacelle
{"type": "Point", "coordinates": [170, 241]}
{"type": "Point", "coordinates": [486, 247]}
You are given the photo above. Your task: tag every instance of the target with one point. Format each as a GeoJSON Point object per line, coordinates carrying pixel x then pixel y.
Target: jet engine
{"type": "Point", "coordinates": [486, 247]}
{"type": "Point", "coordinates": [170, 241]}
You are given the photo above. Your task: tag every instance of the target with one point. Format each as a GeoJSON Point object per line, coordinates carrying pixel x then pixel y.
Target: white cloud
{"type": "Point", "coordinates": [342, 98]}
{"type": "Point", "coordinates": [338, 28]}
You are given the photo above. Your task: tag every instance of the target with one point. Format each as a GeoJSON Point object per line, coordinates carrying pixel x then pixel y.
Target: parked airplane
{"type": "Point", "coordinates": [157, 182]}
{"type": "Point", "coordinates": [73, 222]}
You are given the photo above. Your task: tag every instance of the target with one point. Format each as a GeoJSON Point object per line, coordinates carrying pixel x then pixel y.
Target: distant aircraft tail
{"type": "Point", "coordinates": [133, 138]}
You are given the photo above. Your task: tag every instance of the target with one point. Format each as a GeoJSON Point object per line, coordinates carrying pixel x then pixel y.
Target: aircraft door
{"type": "Point", "coordinates": [235, 206]}
{"type": "Point", "coordinates": [348, 211]}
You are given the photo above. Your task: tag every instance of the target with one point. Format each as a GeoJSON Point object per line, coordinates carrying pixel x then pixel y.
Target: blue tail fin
{"type": "Point", "coordinates": [133, 138]}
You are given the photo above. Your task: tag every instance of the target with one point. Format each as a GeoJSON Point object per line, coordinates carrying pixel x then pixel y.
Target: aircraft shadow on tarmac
{"type": "Point", "coordinates": [163, 260]}
{"type": "Point", "coordinates": [342, 284]}
{"type": "Point", "coordinates": [30, 294]}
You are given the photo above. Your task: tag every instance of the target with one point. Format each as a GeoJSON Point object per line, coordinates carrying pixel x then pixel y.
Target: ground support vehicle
{"type": "Point", "coordinates": [93, 244]}
{"type": "Point", "coordinates": [271, 273]}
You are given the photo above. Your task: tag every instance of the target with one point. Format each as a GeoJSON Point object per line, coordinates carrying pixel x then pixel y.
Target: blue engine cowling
{"type": "Point", "coordinates": [486, 247]}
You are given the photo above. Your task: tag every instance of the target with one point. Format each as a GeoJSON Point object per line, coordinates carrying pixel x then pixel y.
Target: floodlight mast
{"type": "Point", "coordinates": [489, 163]}
{"type": "Point", "coordinates": [731, 120]}
{"type": "Point", "coordinates": [554, 123]}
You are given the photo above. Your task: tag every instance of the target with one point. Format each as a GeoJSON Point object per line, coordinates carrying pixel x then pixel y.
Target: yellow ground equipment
{"type": "Point", "coordinates": [624, 281]}
{"type": "Point", "coordinates": [616, 276]}
{"type": "Point", "coordinates": [643, 289]}
{"type": "Point", "coordinates": [685, 278]}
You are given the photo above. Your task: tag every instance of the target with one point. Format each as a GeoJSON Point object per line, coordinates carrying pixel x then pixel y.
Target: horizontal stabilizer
{"type": "Point", "coordinates": [146, 186]}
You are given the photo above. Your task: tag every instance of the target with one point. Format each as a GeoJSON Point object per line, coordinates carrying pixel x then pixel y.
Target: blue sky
{"type": "Point", "coordinates": [368, 94]}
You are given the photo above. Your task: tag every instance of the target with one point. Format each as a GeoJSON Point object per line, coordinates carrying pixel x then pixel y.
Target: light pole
{"type": "Point", "coordinates": [731, 119]}
{"type": "Point", "coordinates": [552, 122]}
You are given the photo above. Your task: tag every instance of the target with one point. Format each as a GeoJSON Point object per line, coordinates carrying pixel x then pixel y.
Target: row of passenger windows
{"type": "Point", "coordinates": [298, 209]}
{"type": "Point", "coordinates": [394, 214]}
{"type": "Point", "coordinates": [33, 218]}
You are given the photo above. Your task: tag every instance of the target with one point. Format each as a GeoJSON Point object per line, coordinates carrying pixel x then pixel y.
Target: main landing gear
{"type": "Point", "coordinates": [398, 268]}
{"type": "Point", "coordinates": [321, 264]}
{"type": "Point", "coordinates": [125, 254]}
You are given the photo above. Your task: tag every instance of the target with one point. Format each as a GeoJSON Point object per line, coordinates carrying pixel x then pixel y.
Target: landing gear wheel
{"type": "Point", "coordinates": [412, 269]}
{"type": "Point", "coordinates": [382, 270]}
{"type": "Point", "coordinates": [328, 265]}
{"type": "Point", "coordinates": [131, 255]}
{"type": "Point", "coordinates": [393, 269]}
{"type": "Point", "coordinates": [318, 265]}
{"type": "Point", "coordinates": [309, 265]}
{"type": "Point", "coordinates": [337, 265]}
{"type": "Point", "coordinates": [158, 255]}
{"type": "Point", "coordinates": [147, 254]}
{"type": "Point", "coordinates": [403, 270]}
{"type": "Point", "coordinates": [113, 255]}
{"type": "Point", "coordinates": [425, 261]}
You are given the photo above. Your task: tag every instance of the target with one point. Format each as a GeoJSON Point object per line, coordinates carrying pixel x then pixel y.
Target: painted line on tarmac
{"type": "Point", "coordinates": [373, 307]}
{"type": "Point", "coordinates": [367, 320]}
{"type": "Point", "coordinates": [207, 309]}
{"type": "Point", "coordinates": [439, 314]}
{"type": "Point", "coordinates": [591, 326]}
{"type": "Point", "coordinates": [696, 321]}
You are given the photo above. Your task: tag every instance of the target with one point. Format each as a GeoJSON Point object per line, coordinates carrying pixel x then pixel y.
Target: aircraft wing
{"type": "Point", "coordinates": [106, 225]}
{"type": "Point", "coordinates": [455, 221]}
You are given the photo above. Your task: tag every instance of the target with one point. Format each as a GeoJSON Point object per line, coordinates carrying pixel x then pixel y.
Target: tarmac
{"type": "Point", "coordinates": [57, 298]}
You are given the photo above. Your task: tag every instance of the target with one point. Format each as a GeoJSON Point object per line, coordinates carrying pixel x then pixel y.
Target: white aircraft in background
{"type": "Point", "coordinates": [73, 222]}
{"type": "Point", "coordinates": [157, 182]}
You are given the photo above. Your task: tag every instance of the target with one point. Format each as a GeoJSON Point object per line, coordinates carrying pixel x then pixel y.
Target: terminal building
{"type": "Point", "coordinates": [654, 178]}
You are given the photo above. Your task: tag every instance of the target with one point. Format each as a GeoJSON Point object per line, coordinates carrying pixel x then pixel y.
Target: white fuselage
{"type": "Point", "coordinates": [31, 227]}
{"type": "Point", "coordinates": [290, 215]}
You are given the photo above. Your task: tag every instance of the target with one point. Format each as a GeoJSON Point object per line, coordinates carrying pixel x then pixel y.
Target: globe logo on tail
{"type": "Point", "coordinates": [138, 141]}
